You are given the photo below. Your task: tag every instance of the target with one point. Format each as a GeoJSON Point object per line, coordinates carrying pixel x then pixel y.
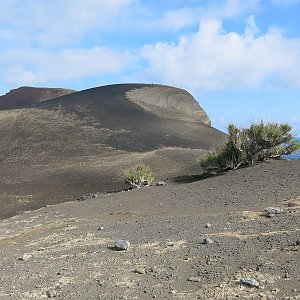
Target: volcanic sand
{"type": "Point", "coordinates": [65, 251]}
{"type": "Point", "coordinates": [56, 150]}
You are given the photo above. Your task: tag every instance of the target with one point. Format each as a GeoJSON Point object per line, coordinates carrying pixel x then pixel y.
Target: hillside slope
{"type": "Point", "coordinates": [81, 142]}
{"type": "Point", "coordinates": [65, 251]}
{"type": "Point", "coordinates": [27, 96]}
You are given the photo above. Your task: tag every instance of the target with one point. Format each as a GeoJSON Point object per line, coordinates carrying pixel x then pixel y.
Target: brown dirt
{"type": "Point", "coordinates": [68, 257]}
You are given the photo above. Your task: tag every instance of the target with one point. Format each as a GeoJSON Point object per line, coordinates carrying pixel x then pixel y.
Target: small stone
{"type": "Point", "coordinates": [207, 241]}
{"type": "Point", "coordinates": [25, 256]}
{"type": "Point", "coordinates": [52, 294]}
{"type": "Point", "coordinates": [173, 292]}
{"type": "Point", "coordinates": [272, 211]}
{"type": "Point", "coordinates": [250, 281]}
{"type": "Point", "coordinates": [139, 271]}
{"type": "Point", "coordinates": [122, 245]}
{"type": "Point", "coordinates": [161, 183]}
{"type": "Point", "coordinates": [298, 242]}
{"type": "Point", "coordinates": [208, 225]}
{"type": "Point", "coordinates": [170, 244]}
{"type": "Point", "coordinates": [101, 228]}
{"type": "Point", "coordinates": [194, 279]}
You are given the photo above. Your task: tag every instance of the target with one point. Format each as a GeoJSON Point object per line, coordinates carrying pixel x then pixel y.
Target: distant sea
{"type": "Point", "coordinates": [294, 155]}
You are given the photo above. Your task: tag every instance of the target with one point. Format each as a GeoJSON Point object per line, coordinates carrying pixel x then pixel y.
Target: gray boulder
{"type": "Point", "coordinates": [122, 245]}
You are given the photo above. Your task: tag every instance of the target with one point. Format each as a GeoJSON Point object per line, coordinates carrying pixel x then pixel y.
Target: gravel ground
{"type": "Point", "coordinates": [66, 251]}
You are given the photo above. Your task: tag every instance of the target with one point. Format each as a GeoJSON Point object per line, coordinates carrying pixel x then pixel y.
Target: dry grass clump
{"type": "Point", "coordinates": [139, 175]}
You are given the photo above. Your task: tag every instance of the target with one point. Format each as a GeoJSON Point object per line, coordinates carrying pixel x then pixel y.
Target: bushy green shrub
{"type": "Point", "coordinates": [139, 175]}
{"type": "Point", "coordinates": [248, 145]}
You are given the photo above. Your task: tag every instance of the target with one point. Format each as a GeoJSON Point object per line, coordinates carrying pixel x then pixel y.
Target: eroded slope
{"type": "Point", "coordinates": [81, 142]}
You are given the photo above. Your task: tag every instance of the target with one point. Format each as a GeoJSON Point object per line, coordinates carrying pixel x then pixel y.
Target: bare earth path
{"type": "Point", "coordinates": [63, 252]}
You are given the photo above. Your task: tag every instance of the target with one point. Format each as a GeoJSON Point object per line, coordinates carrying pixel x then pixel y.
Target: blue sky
{"type": "Point", "coordinates": [239, 58]}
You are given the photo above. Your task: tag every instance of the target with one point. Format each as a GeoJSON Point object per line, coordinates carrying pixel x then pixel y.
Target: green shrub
{"type": "Point", "coordinates": [248, 145]}
{"type": "Point", "coordinates": [139, 175]}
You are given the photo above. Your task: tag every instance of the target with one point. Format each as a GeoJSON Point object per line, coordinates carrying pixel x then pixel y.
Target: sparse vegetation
{"type": "Point", "coordinates": [139, 175]}
{"type": "Point", "coordinates": [245, 146]}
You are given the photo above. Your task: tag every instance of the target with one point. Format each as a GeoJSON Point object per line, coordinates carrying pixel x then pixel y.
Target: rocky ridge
{"type": "Point", "coordinates": [29, 96]}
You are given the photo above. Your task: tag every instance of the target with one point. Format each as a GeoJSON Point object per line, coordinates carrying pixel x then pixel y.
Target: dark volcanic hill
{"type": "Point", "coordinates": [28, 96]}
{"type": "Point", "coordinates": [82, 142]}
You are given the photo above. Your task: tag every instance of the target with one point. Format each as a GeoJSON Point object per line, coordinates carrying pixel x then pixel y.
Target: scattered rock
{"type": "Point", "coordinates": [52, 294]}
{"type": "Point", "coordinates": [139, 271]}
{"type": "Point", "coordinates": [122, 245]}
{"type": "Point", "coordinates": [207, 241]}
{"type": "Point", "coordinates": [101, 228]}
{"type": "Point", "coordinates": [194, 279]}
{"type": "Point", "coordinates": [145, 183]}
{"type": "Point", "coordinates": [136, 185]}
{"type": "Point", "coordinates": [88, 196]}
{"type": "Point", "coordinates": [272, 211]}
{"type": "Point", "coordinates": [250, 281]}
{"type": "Point", "coordinates": [208, 225]}
{"type": "Point", "coordinates": [25, 256]}
{"type": "Point", "coordinates": [170, 244]}
{"type": "Point", "coordinates": [161, 183]}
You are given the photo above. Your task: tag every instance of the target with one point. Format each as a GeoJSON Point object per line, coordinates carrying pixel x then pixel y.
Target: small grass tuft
{"type": "Point", "coordinates": [139, 175]}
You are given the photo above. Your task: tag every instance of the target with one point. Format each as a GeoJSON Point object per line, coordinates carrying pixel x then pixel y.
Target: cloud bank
{"type": "Point", "coordinates": [214, 59]}
{"type": "Point", "coordinates": [43, 42]}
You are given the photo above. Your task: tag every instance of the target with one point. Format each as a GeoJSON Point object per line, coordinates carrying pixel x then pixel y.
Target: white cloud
{"type": "Point", "coordinates": [59, 40]}
{"type": "Point", "coordinates": [285, 2]}
{"type": "Point", "coordinates": [230, 8]}
{"type": "Point", "coordinates": [38, 23]}
{"type": "Point", "coordinates": [53, 23]}
{"type": "Point", "coordinates": [213, 59]}
{"type": "Point", "coordinates": [32, 66]}
{"type": "Point", "coordinates": [177, 19]}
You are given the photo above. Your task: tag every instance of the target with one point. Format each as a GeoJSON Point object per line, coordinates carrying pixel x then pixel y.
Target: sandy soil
{"type": "Point", "coordinates": [65, 251]}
